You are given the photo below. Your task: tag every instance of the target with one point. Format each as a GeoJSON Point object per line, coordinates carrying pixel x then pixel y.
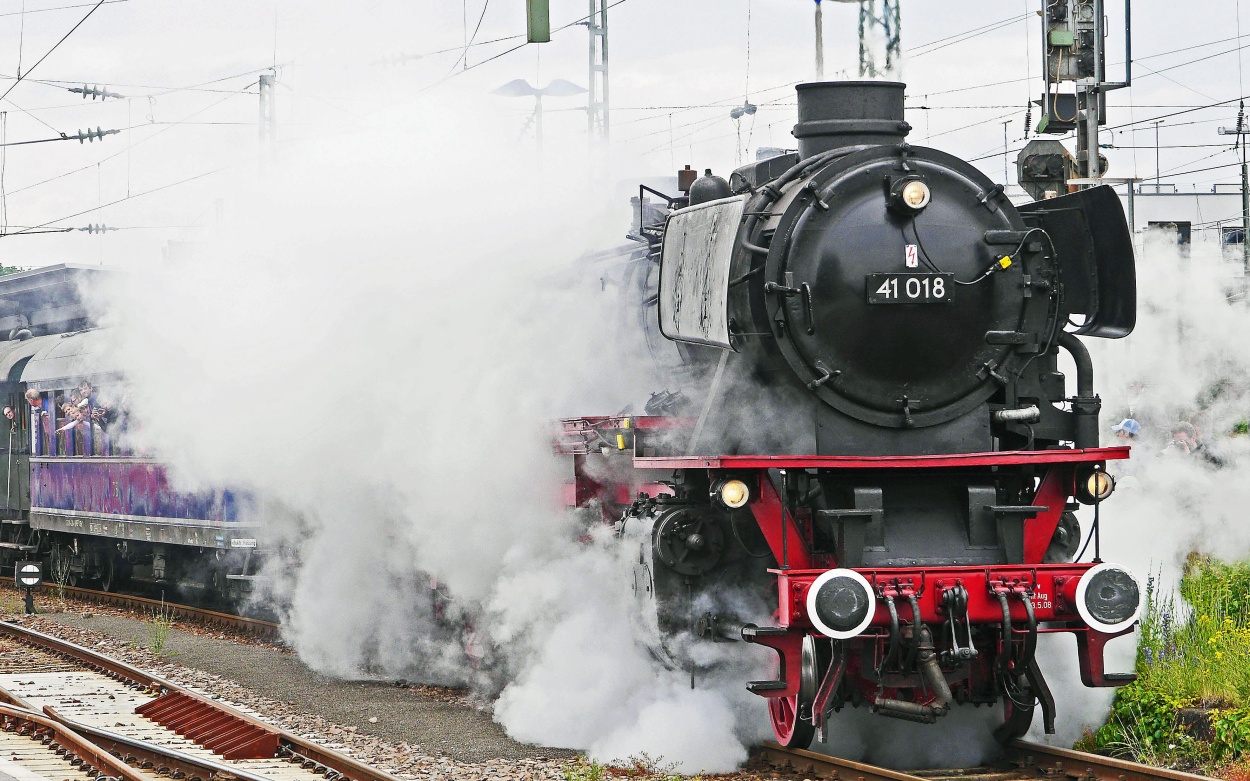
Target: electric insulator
{"type": "Point", "coordinates": [95, 91]}
{"type": "Point", "coordinates": [1028, 119]}
{"type": "Point", "coordinates": [92, 135]}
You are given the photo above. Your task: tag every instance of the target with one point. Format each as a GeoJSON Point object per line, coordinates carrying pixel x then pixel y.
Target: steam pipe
{"type": "Point", "coordinates": [1084, 364]}
{"type": "Point", "coordinates": [934, 680]}
{"type": "Point", "coordinates": [1085, 404]}
{"type": "Point", "coordinates": [1029, 414]}
{"type": "Point", "coordinates": [771, 192]}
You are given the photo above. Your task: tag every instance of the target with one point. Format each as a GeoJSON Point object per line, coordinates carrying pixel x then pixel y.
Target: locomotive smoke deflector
{"type": "Point", "coordinates": [1091, 238]}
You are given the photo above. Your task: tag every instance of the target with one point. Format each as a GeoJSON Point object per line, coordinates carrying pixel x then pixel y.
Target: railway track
{"type": "Point", "coordinates": [1022, 761]}
{"type": "Point", "coordinates": [144, 725]}
{"type": "Point", "coordinates": [36, 748]}
{"type": "Point", "coordinates": [70, 714]}
{"type": "Point", "coordinates": [251, 626]}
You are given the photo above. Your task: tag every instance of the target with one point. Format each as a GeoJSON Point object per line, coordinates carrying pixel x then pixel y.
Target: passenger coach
{"type": "Point", "coordinates": [77, 495]}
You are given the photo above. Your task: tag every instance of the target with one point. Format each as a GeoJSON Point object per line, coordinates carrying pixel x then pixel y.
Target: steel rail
{"type": "Point", "coordinates": [290, 745]}
{"type": "Point", "coordinates": [165, 761]}
{"type": "Point", "coordinates": [1021, 760]}
{"type": "Point", "coordinates": [1089, 766]}
{"type": "Point", "coordinates": [252, 626]}
{"type": "Point", "coordinates": [827, 766]}
{"type": "Point", "coordinates": [47, 731]}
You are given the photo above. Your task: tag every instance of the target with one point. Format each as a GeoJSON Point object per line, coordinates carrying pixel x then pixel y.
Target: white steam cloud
{"type": "Point", "coordinates": [378, 343]}
{"type": "Point", "coordinates": [1187, 360]}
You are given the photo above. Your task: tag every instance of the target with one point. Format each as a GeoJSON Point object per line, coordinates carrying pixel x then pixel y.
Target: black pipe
{"type": "Point", "coordinates": [1128, 44]}
{"type": "Point", "coordinates": [1085, 404]}
{"type": "Point", "coordinates": [934, 680]}
{"type": "Point", "coordinates": [1084, 364]}
{"type": "Point", "coordinates": [771, 192]}
{"type": "Point", "coordinates": [917, 632]}
{"type": "Point", "coordinates": [933, 676]}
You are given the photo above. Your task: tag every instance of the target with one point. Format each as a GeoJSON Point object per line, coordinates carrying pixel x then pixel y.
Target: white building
{"type": "Point", "coordinates": [1212, 215]}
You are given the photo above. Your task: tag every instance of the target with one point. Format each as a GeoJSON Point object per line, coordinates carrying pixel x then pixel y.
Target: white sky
{"type": "Point", "coordinates": [670, 59]}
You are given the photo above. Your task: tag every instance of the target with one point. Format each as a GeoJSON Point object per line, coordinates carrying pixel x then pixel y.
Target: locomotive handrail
{"type": "Point", "coordinates": [1089, 455]}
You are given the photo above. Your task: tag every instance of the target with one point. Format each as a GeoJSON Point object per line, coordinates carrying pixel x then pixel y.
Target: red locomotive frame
{"type": "Point", "coordinates": [1025, 598]}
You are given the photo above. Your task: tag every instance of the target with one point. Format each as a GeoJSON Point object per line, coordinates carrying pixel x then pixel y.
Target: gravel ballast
{"type": "Point", "coordinates": [413, 732]}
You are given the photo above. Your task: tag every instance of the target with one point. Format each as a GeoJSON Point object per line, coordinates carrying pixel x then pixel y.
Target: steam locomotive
{"type": "Point", "coordinates": [878, 464]}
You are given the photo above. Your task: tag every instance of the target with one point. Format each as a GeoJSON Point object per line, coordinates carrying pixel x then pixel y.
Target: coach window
{"type": "Point", "coordinates": [60, 421]}
{"type": "Point", "coordinates": [13, 436]}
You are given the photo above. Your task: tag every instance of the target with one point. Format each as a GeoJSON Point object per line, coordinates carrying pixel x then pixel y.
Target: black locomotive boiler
{"type": "Point", "coordinates": [881, 447]}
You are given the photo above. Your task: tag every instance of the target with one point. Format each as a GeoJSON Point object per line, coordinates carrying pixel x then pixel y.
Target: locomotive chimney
{"type": "Point", "coordinates": [835, 114]}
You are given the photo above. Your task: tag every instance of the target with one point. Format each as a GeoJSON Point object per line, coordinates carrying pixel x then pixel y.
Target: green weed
{"type": "Point", "coordinates": [639, 766]}
{"type": "Point", "coordinates": [159, 622]}
{"type": "Point", "coordinates": [584, 770]}
{"type": "Point", "coordinates": [12, 602]}
{"type": "Point", "coordinates": [1194, 653]}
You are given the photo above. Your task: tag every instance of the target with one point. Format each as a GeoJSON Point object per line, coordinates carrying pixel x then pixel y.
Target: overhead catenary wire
{"type": "Point", "coordinates": [26, 10]}
{"type": "Point", "coordinates": [80, 137]}
{"type": "Point", "coordinates": [912, 54]}
{"type": "Point", "coordinates": [469, 41]}
{"type": "Point", "coordinates": [127, 149]}
{"type": "Point", "coordinates": [160, 188]}
{"type": "Point", "coordinates": [21, 38]}
{"type": "Point", "coordinates": [518, 47]}
{"type": "Point", "coordinates": [22, 76]}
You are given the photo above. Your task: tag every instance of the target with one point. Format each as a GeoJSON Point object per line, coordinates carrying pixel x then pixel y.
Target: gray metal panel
{"type": "Point", "coordinates": [694, 271]}
{"type": "Point", "coordinates": [68, 358]}
{"type": "Point", "coordinates": [156, 530]}
{"type": "Point", "coordinates": [12, 352]}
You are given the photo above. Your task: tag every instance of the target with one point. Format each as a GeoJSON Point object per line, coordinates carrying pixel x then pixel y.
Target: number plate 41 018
{"type": "Point", "coordinates": [909, 288]}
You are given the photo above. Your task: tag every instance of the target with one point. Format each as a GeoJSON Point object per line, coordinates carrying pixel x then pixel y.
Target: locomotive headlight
{"type": "Point", "coordinates": [915, 195]}
{"type": "Point", "coordinates": [1094, 487]}
{"type": "Point", "coordinates": [1108, 598]}
{"type": "Point", "coordinates": [909, 195]}
{"type": "Point", "coordinates": [734, 493]}
{"type": "Point", "coordinates": [841, 603]}
{"type": "Point", "coordinates": [1100, 485]}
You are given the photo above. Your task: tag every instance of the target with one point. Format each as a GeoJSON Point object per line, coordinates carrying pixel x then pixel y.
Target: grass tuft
{"type": "Point", "coordinates": [159, 622]}
{"type": "Point", "coordinates": [1190, 705]}
{"type": "Point", "coordinates": [639, 766]}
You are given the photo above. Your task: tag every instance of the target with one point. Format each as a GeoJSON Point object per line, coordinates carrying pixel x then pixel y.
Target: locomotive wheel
{"type": "Point", "coordinates": [792, 716]}
{"type": "Point", "coordinates": [790, 730]}
{"type": "Point", "coordinates": [108, 572]}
